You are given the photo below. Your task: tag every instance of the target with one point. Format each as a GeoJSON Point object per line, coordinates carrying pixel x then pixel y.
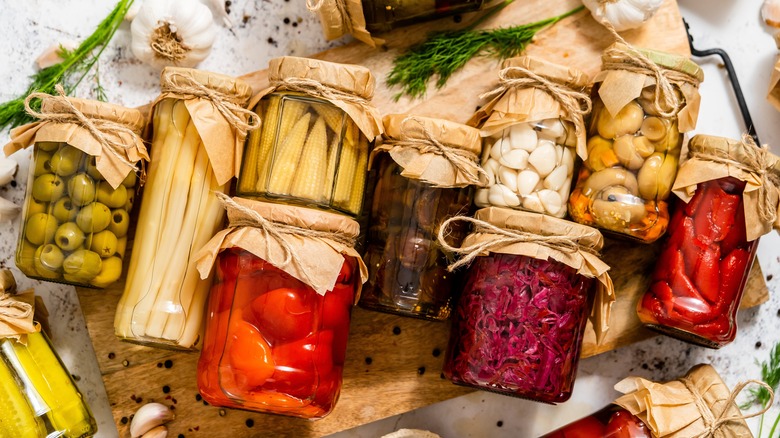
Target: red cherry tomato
{"type": "Point", "coordinates": [249, 355]}
{"type": "Point", "coordinates": [624, 425]}
{"type": "Point", "coordinates": [347, 269]}
{"type": "Point", "coordinates": [301, 364]}
{"type": "Point", "coordinates": [588, 427]}
{"type": "Point", "coordinates": [285, 314]}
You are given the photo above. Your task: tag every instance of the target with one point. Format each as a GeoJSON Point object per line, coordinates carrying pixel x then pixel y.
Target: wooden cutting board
{"type": "Point", "coordinates": [393, 363]}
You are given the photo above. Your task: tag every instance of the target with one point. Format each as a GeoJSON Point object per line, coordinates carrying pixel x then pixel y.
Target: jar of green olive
{"type": "Point", "coordinates": [80, 189]}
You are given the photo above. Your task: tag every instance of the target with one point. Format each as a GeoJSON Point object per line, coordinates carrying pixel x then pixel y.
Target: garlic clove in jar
{"type": "Point", "coordinates": [515, 159]}
{"type": "Point", "coordinates": [557, 178]}
{"type": "Point", "coordinates": [526, 182]}
{"type": "Point", "coordinates": [481, 198]}
{"type": "Point", "coordinates": [533, 203]}
{"type": "Point", "coordinates": [501, 196]}
{"type": "Point", "coordinates": [508, 177]}
{"type": "Point", "coordinates": [523, 136]}
{"type": "Point", "coordinates": [543, 158]}
{"type": "Point", "coordinates": [551, 201]}
{"type": "Point", "coordinates": [568, 158]}
{"type": "Point", "coordinates": [551, 129]}
{"type": "Point", "coordinates": [491, 167]}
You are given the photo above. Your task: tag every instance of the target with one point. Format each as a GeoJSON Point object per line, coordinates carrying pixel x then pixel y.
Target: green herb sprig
{"type": "Point", "coordinates": [444, 53]}
{"type": "Point", "coordinates": [75, 66]}
{"type": "Point", "coordinates": [770, 374]}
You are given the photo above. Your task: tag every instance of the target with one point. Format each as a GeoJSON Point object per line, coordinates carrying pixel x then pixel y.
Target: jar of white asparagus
{"type": "Point", "coordinates": [194, 151]}
{"type": "Point", "coordinates": [313, 143]}
{"type": "Point", "coordinates": [534, 128]}
{"type": "Point", "coordinates": [80, 189]}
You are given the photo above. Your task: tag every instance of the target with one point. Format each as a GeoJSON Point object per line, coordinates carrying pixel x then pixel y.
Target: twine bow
{"type": "Point", "coordinates": [277, 232]}
{"type": "Point", "coordinates": [503, 237]}
{"type": "Point", "coordinates": [237, 116]}
{"type": "Point", "coordinates": [346, 21]}
{"type": "Point", "coordinates": [577, 105]}
{"type": "Point", "coordinates": [713, 423]}
{"type": "Point", "coordinates": [104, 131]}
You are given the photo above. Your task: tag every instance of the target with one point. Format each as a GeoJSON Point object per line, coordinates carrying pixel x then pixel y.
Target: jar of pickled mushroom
{"type": "Point", "coordinates": [312, 147]}
{"type": "Point", "coordinates": [279, 309]}
{"type": "Point", "coordinates": [360, 18]}
{"type": "Point", "coordinates": [199, 124]}
{"type": "Point", "coordinates": [534, 129]}
{"type": "Point", "coordinates": [683, 408]}
{"type": "Point", "coordinates": [425, 171]}
{"type": "Point", "coordinates": [519, 323]}
{"type": "Point", "coordinates": [644, 101]}
{"type": "Point", "coordinates": [728, 197]}
{"type": "Point", "coordinates": [80, 189]}
{"type": "Point", "coordinates": [37, 393]}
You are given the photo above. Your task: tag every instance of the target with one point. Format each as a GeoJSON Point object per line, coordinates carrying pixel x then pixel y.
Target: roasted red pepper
{"type": "Point", "coordinates": [610, 422]}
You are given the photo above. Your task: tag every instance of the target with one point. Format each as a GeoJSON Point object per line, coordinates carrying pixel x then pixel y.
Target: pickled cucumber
{"type": "Point", "coordinates": [17, 419]}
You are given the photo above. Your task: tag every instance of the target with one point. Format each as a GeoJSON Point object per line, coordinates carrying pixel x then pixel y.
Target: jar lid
{"type": "Point", "coordinates": [93, 109]}
{"type": "Point", "coordinates": [671, 61]}
{"type": "Point", "coordinates": [452, 134]}
{"type": "Point", "coordinates": [301, 217]}
{"type": "Point", "coordinates": [182, 78]}
{"type": "Point", "coordinates": [561, 74]}
{"type": "Point", "coordinates": [348, 78]}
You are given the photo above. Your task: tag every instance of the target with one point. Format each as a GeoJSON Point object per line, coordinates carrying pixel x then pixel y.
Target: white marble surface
{"type": "Point", "coordinates": [260, 33]}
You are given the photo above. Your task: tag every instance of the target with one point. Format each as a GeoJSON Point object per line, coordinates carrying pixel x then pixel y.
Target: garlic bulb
{"type": "Point", "coordinates": [623, 14]}
{"type": "Point", "coordinates": [770, 12]}
{"type": "Point", "coordinates": [173, 32]}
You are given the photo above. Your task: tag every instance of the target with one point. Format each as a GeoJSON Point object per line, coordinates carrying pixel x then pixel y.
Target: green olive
{"type": "Point", "coordinates": [48, 187]}
{"type": "Point", "coordinates": [104, 243]}
{"type": "Point", "coordinates": [64, 210]}
{"type": "Point", "coordinates": [35, 206]}
{"type": "Point", "coordinates": [51, 257]}
{"type": "Point", "coordinates": [42, 162]}
{"type": "Point", "coordinates": [40, 228]}
{"type": "Point", "coordinates": [120, 222]}
{"type": "Point", "coordinates": [130, 200]}
{"type": "Point", "coordinates": [92, 169]}
{"type": "Point", "coordinates": [113, 198]}
{"type": "Point", "coordinates": [25, 255]}
{"type": "Point", "coordinates": [93, 217]}
{"type": "Point", "coordinates": [109, 272]}
{"type": "Point", "coordinates": [69, 236]}
{"type": "Point", "coordinates": [66, 161]}
{"type": "Point", "coordinates": [81, 189]}
{"type": "Point", "coordinates": [82, 264]}
{"type": "Point", "coordinates": [121, 245]}
{"type": "Point", "coordinates": [130, 180]}
{"type": "Point", "coordinates": [42, 270]}
{"type": "Point", "coordinates": [48, 146]}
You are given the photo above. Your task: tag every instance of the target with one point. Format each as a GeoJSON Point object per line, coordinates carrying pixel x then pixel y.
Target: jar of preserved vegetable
{"type": "Point", "coordinates": [80, 189]}
{"type": "Point", "coordinates": [688, 407]}
{"type": "Point", "coordinates": [38, 395]}
{"type": "Point", "coordinates": [519, 323]}
{"type": "Point", "coordinates": [360, 18]}
{"type": "Point", "coordinates": [199, 125]}
{"type": "Point", "coordinates": [279, 311]}
{"type": "Point", "coordinates": [534, 128]}
{"type": "Point", "coordinates": [312, 147]}
{"type": "Point", "coordinates": [644, 101]}
{"type": "Point", "coordinates": [425, 169]}
{"type": "Point", "coordinates": [729, 198]}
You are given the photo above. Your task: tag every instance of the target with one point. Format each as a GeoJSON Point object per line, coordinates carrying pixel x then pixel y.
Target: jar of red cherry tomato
{"type": "Point", "coordinates": [729, 199]}
{"type": "Point", "coordinates": [279, 309]}
{"type": "Point", "coordinates": [682, 408]}
{"type": "Point", "coordinates": [519, 324]}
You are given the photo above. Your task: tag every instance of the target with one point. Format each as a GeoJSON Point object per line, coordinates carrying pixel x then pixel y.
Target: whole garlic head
{"type": "Point", "coordinates": [172, 32]}
{"type": "Point", "coordinates": [623, 14]}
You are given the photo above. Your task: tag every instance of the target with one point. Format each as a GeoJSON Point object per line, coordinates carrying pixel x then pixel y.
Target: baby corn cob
{"type": "Point", "coordinates": [17, 418]}
{"type": "Point", "coordinates": [267, 133]}
{"type": "Point", "coordinates": [251, 161]}
{"type": "Point", "coordinates": [333, 160]}
{"type": "Point", "coordinates": [356, 197]}
{"type": "Point", "coordinates": [292, 111]}
{"type": "Point", "coordinates": [287, 156]}
{"type": "Point", "coordinates": [347, 168]}
{"type": "Point", "coordinates": [314, 162]}
{"type": "Point", "coordinates": [333, 116]}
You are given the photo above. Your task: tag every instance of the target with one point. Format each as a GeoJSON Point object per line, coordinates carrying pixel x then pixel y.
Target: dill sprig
{"type": "Point", "coordinates": [76, 65]}
{"type": "Point", "coordinates": [444, 53]}
{"type": "Point", "coordinates": [770, 374]}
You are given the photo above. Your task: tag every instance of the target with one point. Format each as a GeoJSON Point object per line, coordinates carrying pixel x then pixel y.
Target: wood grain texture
{"type": "Point", "coordinates": [404, 369]}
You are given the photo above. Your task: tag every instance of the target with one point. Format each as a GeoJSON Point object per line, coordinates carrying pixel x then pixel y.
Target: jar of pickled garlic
{"type": "Point", "coordinates": [729, 199]}
{"type": "Point", "coordinates": [686, 407]}
{"type": "Point", "coordinates": [425, 171]}
{"type": "Point", "coordinates": [360, 18]}
{"type": "Point", "coordinates": [634, 141]}
{"type": "Point", "coordinates": [194, 151]}
{"type": "Point", "coordinates": [312, 148]}
{"type": "Point", "coordinates": [80, 189]}
{"type": "Point", "coordinates": [534, 129]}
{"type": "Point", "coordinates": [519, 323]}
{"type": "Point", "coordinates": [276, 332]}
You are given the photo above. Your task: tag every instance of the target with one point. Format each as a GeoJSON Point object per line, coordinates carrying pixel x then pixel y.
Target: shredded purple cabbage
{"type": "Point", "coordinates": [518, 327]}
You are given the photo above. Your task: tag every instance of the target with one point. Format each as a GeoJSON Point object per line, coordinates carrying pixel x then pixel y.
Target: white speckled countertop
{"type": "Point", "coordinates": [264, 29]}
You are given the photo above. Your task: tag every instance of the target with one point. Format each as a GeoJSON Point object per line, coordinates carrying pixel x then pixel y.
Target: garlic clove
{"type": "Point", "coordinates": [501, 196]}
{"type": "Point", "coordinates": [551, 201]}
{"type": "Point", "coordinates": [157, 432]}
{"type": "Point", "coordinates": [543, 158]}
{"type": "Point", "coordinates": [491, 167]}
{"type": "Point", "coordinates": [522, 136]}
{"type": "Point", "coordinates": [557, 178]}
{"type": "Point", "coordinates": [148, 417]}
{"type": "Point", "coordinates": [133, 10]}
{"type": "Point", "coordinates": [8, 168]}
{"type": "Point", "coordinates": [508, 177]}
{"type": "Point", "coordinates": [481, 198]}
{"type": "Point", "coordinates": [551, 129]}
{"type": "Point", "coordinates": [53, 54]}
{"type": "Point", "coordinates": [533, 203]}
{"type": "Point", "coordinates": [770, 12]}
{"type": "Point", "coordinates": [526, 182]}
{"type": "Point", "coordinates": [515, 159]}
{"type": "Point", "coordinates": [8, 210]}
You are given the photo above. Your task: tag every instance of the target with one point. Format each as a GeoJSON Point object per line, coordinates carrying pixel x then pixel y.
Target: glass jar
{"type": "Point", "coordinates": [272, 343]}
{"type": "Point", "coordinates": [37, 392]}
{"type": "Point", "coordinates": [699, 278]}
{"type": "Point", "coordinates": [75, 223]}
{"type": "Point", "coordinates": [164, 297]}
{"type": "Point", "coordinates": [407, 269]}
{"type": "Point", "coordinates": [610, 422]}
{"type": "Point", "coordinates": [634, 151]}
{"type": "Point", "coordinates": [384, 15]}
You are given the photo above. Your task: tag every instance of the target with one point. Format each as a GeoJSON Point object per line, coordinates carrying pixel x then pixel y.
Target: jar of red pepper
{"type": "Point", "coordinates": [279, 310]}
{"type": "Point", "coordinates": [519, 324]}
{"type": "Point", "coordinates": [729, 199]}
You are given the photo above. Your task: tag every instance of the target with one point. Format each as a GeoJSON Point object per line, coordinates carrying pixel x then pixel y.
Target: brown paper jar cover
{"type": "Point", "coordinates": [340, 17]}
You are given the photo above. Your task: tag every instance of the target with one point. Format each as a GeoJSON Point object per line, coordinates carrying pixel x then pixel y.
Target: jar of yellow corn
{"type": "Point", "coordinates": [313, 143]}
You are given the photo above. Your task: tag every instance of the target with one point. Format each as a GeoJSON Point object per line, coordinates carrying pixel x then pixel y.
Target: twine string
{"type": "Point", "coordinates": [318, 89]}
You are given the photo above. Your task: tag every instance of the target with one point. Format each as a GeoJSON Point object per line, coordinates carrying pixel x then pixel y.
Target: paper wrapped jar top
{"type": "Point", "coordinates": [181, 77]}
{"type": "Point", "coordinates": [93, 109]}
{"type": "Point", "coordinates": [353, 79]}
{"type": "Point", "coordinates": [451, 134]}
{"type": "Point", "coordinates": [301, 217]}
{"type": "Point", "coordinates": [561, 74]}
{"type": "Point", "coordinates": [667, 60]}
